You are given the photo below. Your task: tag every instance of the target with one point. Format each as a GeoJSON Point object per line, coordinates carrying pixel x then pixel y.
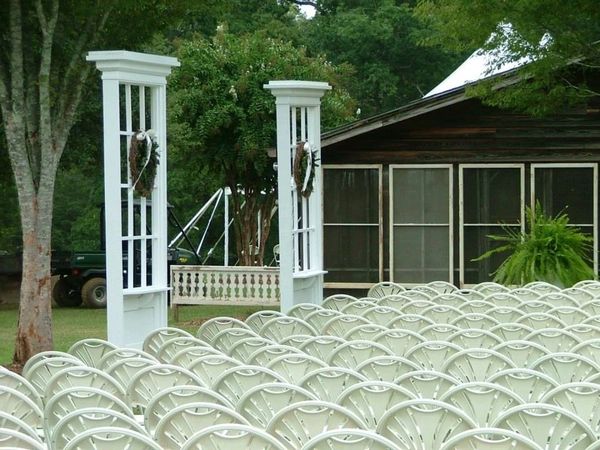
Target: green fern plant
{"type": "Point", "coordinates": [549, 250]}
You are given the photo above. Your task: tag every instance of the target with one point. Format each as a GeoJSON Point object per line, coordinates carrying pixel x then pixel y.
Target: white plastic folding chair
{"type": "Point", "coordinates": [539, 321]}
{"type": "Point", "coordinates": [322, 346]}
{"type": "Point", "coordinates": [490, 439]}
{"type": "Point", "coordinates": [535, 306]}
{"type": "Point", "coordinates": [317, 319]}
{"type": "Point", "coordinates": [442, 287]}
{"type": "Point", "coordinates": [156, 338]}
{"type": "Point", "coordinates": [122, 353]}
{"type": "Point", "coordinates": [525, 294]}
{"type": "Point", "coordinates": [210, 367]}
{"type": "Point", "coordinates": [474, 338]}
{"type": "Point", "coordinates": [427, 384]}
{"type": "Point", "coordinates": [490, 287]}
{"type": "Point", "coordinates": [410, 322]}
{"type": "Point", "coordinates": [179, 424]}
{"type": "Point", "coordinates": [370, 400]}
{"type": "Point", "coordinates": [450, 299]}
{"type": "Point", "coordinates": [381, 315]}
{"type": "Point", "coordinates": [476, 364]}
{"type": "Point", "coordinates": [281, 327]}
{"type": "Point", "coordinates": [566, 367]}
{"type": "Point", "coordinates": [358, 307]}
{"type": "Point", "coordinates": [8, 421]}
{"type": "Point", "coordinates": [256, 320]}
{"type": "Point", "coordinates": [171, 347]}
{"type": "Point", "coordinates": [170, 398]}
{"type": "Point", "coordinates": [18, 405]}
{"type": "Point", "coordinates": [592, 320]}
{"type": "Point", "coordinates": [91, 350]}
{"type": "Point", "coordinates": [298, 423]}
{"type": "Point", "coordinates": [475, 320]}
{"type": "Point", "coordinates": [424, 289]}
{"type": "Point", "coordinates": [521, 352]}
{"type": "Point", "coordinates": [584, 332]}
{"type": "Point", "coordinates": [470, 294]}
{"type": "Point", "coordinates": [423, 424]}
{"type": "Point", "coordinates": [352, 353]}
{"type": "Point", "coordinates": [438, 331]}
{"type": "Point", "coordinates": [396, 301]}
{"type": "Point", "coordinates": [13, 439]}
{"type": "Point", "coordinates": [399, 340]}
{"type": "Point", "coordinates": [263, 356]}
{"type": "Point", "coordinates": [431, 355]}
{"type": "Point", "coordinates": [503, 299]}
{"type": "Point", "coordinates": [232, 436]}
{"type": "Point", "coordinates": [592, 307]}
{"type": "Point", "coordinates": [40, 373]}
{"type": "Point", "coordinates": [580, 295]}
{"type": "Point", "coordinates": [295, 340]}
{"type": "Point", "coordinates": [350, 439]}
{"type": "Point", "coordinates": [511, 331]}
{"type": "Point", "coordinates": [442, 314]}
{"type": "Point", "coordinates": [86, 377]}
{"type": "Point", "coordinates": [415, 306]}
{"type": "Point", "coordinates": [366, 331]}
{"type": "Point", "coordinates": [386, 368]}
{"type": "Point", "coordinates": [337, 301]}
{"type": "Point", "coordinates": [209, 329]}
{"type": "Point", "coordinates": [188, 355]}
{"type": "Point", "coordinates": [110, 438]}
{"type": "Point", "coordinates": [328, 383]}
{"type": "Point", "coordinates": [554, 339]}
{"type": "Point", "coordinates": [294, 367]}
{"type": "Point", "coordinates": [528, 384]}
{"type": "Point", "coordinates": [44, 355]}
{"type": "Point", "coordinates": [549, 425]}
{"type": "Point", "coordinates": [13, 380]}
{"type": "Point", "coordinates": [225, 339]}
{"type": "Point", "coordinates": [581, 398]}
{"type": "Point", "coordinates": [125, 369]}
{"type": "Point", "coordinates": [558, 298]}
{"type": "Point", "coordinates": [301, 310]}
{"type": "Point", "coordinates": [242, 349]}
{"type": "Point", "coordinates": [482, 401]}
{"type": "Point", "coordinates": [571, 315]}
{"type": "Point", "coordinates": [542, 287]}
{"type": "Point", "coordinates": [151, 380]}
{"type": "Point", "coordinates": [590, 349]}
{"type": "Point", "coordinates": [235, 382]}
{"type": "Point", "coordinates": [505, 314]}
{"type": "Point", "coordinates": [476, 306]}
{"type": "Point", "coordinates": [340, 325]}
{"type": "Point", "coordinates": [263, 401]}
{"type": "Point", "coordinates": [384, 288]}
{"type": "Point", "coordinates": [78, 421]}
{"type": "Point", "coordinates": [77, 398]}
{"type": "Point", "coordinates": [584, 284]}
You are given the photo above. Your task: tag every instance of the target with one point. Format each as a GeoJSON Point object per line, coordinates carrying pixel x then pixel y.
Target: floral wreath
{"type": "Point", "coordinates": [143, 161]}
{"type": "Point", "coordinates": [305, 163]}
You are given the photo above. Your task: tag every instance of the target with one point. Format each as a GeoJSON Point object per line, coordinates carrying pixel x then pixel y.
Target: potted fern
{"type": "Point", "coordinates": [549, 250]}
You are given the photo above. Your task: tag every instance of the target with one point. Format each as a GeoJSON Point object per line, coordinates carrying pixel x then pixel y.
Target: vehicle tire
{"type": "Point", "coordinates": [93, 293]}
{"type": "Point", "coordinates": [65, 295]}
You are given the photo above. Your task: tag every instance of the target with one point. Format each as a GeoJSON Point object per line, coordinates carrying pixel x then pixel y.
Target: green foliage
{"type": "Point", "coordinates": [379, 39]}
{"type": "Point", "coordinates": [559, 38]}
{"type": "Point", "coordinates": [550, 250]}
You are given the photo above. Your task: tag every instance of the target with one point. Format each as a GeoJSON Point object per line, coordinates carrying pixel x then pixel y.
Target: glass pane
{"type": "Point", "coordinates": [477, 243]}
{"type": "Point", "coordinates": [421, 254]}
{"type": "Point", "coordinates": [351, 195]}
{"type": "Point", "coordinates": [567, 190]}
{"type": "Point", "coordinates": [351, 254]}
{"type": "Point", "coordinates": [421, 195]}
{"type": "Point", "coordinates": [492, 195]}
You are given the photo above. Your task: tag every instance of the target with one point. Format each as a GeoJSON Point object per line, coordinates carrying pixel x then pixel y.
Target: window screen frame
{"type": "Point", "coordinates": [590, 165]}
{"type": "Point", "coordinates": [461, 209]}
{"type": "Point", "coordinates": [379, 168]}
{"type": "Point", "coordinates": [450, 224]}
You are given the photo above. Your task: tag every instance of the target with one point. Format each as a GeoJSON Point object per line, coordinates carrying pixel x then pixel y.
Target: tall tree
{"type": "Point", "coordinates": [223, 120]}
{"type": "Point", "coordinates": [43, 79]}
{"type": "Point", "coordinates": [560, 41]}
{"type": "Point", "coordinates": [379, 39]}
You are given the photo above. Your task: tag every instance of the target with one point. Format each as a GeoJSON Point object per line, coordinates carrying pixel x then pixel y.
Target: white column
{"type": "Point", "coordinates": [300, 219]}
{"type": "Point", "coordinates": [137, 305]}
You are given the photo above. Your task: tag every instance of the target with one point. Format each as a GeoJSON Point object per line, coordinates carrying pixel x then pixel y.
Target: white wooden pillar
{"type": "Point", "coordinates": [134, 98]}
{"type": "Point", "coordinates": [300, 218]}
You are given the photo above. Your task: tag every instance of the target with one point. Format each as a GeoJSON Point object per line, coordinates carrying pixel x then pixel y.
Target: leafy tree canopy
{"type": "Point", "coordinates": [561, 39]}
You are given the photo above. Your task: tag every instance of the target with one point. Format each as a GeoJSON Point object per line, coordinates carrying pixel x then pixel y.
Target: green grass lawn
{"type": "Point", "coordinates": [73, 324]}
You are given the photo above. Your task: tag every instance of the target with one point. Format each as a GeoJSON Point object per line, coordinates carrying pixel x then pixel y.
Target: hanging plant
{"type": "Point", "coordinates": [143, 161]}
{"type": "Point", "coordinates": [305, 163]}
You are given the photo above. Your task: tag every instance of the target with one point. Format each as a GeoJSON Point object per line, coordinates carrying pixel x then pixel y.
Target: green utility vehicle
{"type": "Point", "coordinates": [82, 274]}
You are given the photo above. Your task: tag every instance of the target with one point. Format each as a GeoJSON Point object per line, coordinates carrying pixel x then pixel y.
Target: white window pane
{"type": "Point", "coordinates": [492, 195]}
{"type": "Point", "coordinates": [421, 195]}
{"type": "Point", "coordinates": [351, 196]}
{"type": "Point", "coordinates": [421, 254]}
{"type": "Point", "coordinates": [476, 243]}
{"type": "Point", "coordinates": [351, 254]}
